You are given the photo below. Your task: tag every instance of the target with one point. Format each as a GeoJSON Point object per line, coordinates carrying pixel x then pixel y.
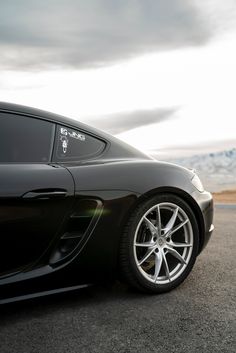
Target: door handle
{"type": "Point", "coordinates": [45, 194]}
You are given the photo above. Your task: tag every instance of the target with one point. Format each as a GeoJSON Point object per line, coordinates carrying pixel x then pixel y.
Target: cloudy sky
{"type": "Point", "coordinates": [159, 74]}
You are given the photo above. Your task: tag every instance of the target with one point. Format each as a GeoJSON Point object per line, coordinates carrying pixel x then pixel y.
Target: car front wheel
{"type": "Point", "coordinates": [160, 244]}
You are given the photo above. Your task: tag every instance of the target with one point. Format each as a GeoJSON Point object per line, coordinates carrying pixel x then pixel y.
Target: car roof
{"type": "Point", "coordinates": [119, 147]}
{"type": "Point", "coordinates": [35, 112]}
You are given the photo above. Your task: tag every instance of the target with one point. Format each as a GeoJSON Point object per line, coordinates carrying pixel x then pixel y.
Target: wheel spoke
{"type": "Point", "coordinates": [167, 271]}
{"type": "Point", "coordinates": [149, 253]}
{"type": "Point", "coordinates": [180, 245]}
{"type": "Point", "coordinates": [171, 222]}
{"type": "Point", "coordinates": [150, 225]}
{"type": "Point", "coordinates": [178, 227]}
{"type": "Point", "coordinates": [158, 263]}
{"type": "Point", "coordinates": [158, 219]}
{"type": "Point", "coordinates": [176, 254]}
{"type": "Point", "coordinates": [145, 244]}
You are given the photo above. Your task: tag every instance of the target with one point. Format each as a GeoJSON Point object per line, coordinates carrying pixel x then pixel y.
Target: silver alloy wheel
{"type": "Point", "coordinates": [163, 243]}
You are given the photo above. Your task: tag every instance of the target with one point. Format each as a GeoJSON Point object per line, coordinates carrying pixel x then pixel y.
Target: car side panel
{"type": "Point", "coordinates": [138, 176]}
{"type": "Point", "coordinates": [95, 261]}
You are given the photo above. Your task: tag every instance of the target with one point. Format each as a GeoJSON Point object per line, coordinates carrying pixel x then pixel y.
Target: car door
{"type": "Point", "coordinates": [35, 195]}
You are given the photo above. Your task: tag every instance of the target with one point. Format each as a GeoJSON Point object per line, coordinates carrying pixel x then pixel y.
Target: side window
{"type": "Point", "coordinates": [73, 145]}
{"type": "Point", "coordinates": [24, 139]}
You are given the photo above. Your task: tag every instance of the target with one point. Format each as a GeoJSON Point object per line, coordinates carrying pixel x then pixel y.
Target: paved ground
{"type": "Point", "coordinates": [199, 316]}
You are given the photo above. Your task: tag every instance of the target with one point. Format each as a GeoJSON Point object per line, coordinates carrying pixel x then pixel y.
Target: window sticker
{"type": "Point", "coordinates": [75, 145]}
{"type": "Point", "coordinates": [63, 131]}
{"type": "Point", "coordinates": [64, 141]}
{"type": "Point", "coordinates": [72, 134]}
{"type": "Point", "coordinates": [65, 136]}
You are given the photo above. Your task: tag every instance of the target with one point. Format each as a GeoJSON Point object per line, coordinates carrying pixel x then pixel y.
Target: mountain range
{"type": "Point", "coordinates": [217, 170]}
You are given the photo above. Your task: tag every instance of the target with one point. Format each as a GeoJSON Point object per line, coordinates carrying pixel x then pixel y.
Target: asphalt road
{"type": "Point", "coordinates": [199, 316]}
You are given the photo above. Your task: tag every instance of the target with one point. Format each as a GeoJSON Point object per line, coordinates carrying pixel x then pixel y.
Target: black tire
{"type": "Point", "coordinates": [129, 270]}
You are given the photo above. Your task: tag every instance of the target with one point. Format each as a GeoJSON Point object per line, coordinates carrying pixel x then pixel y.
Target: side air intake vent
{"type": "Point", "coordinates": [80, 224]}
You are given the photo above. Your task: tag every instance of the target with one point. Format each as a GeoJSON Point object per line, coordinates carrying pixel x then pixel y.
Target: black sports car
{"type": "Point", "coordinates": [78, 206]}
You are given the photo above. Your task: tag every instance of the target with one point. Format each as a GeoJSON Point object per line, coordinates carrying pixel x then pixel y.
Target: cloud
{"type": "Point", "coordinates": [120, 122]}
{"type": "Point", "coordinates": [178, 151]}
{"type": "Point", "coordinates": [77, 33]}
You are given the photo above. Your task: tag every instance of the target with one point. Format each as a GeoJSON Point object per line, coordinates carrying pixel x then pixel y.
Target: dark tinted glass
{"type": "Point", "coordinates": [73, 145]}
{"type": "Point", "coordinates": [24, 139]}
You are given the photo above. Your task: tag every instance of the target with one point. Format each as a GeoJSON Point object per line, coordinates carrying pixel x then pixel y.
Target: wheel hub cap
{"type": "Point", "coordinates": [161, 241]}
